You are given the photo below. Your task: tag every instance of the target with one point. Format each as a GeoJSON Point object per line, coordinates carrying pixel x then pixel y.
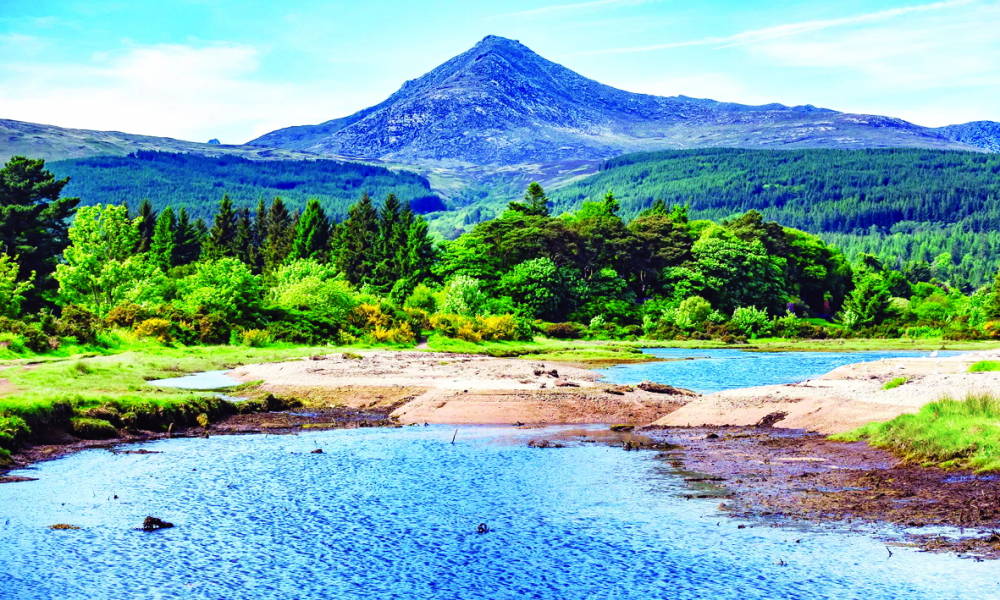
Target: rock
{"type": "Point", "coordinates": [712, 436]}
{"type": "Point", "coordinates": [660, 388]}
{"type": "Point", "coordinates": [63, 527]}
{"type": "Point", "coordinates": [317, 451]}
{"type": "Point", "coordinates": [483, 528]}
{"type": "Point", "coordinates": [771, 418]}
{"type": "Point", "coordinates": [622, 427]}
{"type": "Point", "coordinates": [153, 524]}
{"type": "Point", "coordinates": [565, 383]}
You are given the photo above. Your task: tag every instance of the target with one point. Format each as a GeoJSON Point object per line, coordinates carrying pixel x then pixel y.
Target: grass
{"type": "Point", "coordinates": [984, 366]}
{"type": "Point", "coordinates": [89, 394]}
{"type": "Point", "coordinates": [895, 383]}
{"type": "Point", "coordinates": [571, 351]}
{"type": "Point", "coordinates": [948, 433]}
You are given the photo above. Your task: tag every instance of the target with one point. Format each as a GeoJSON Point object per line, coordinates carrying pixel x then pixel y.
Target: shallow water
{"type": "Point", "coordinates": [206, 380]}
{"type": "Point", "coordinates": [392, 513]}
{"type": "Point", "coordinates": [725, 369]}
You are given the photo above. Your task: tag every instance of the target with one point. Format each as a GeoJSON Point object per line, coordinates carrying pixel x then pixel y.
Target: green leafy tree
{"type": "Point", "coordinates": [101, 267]}
{"type": "Point", "coordinates": [309, 286]}
{"type": "Point", "coordinates": [221, 239]}
{"type": "Point", "coordinates": [544, 289]}
{"type": "Point", "coordinates": [730, 274]}
{"type": "Point", "coordinates": [12, 287]}
{"type": "Point", "coordinates": [868, 304]}
{"type": "Point", "coordinates": [225, 286]}
{"type": "Point", "coordinates": [161, 248]}
{"type": "Point", "coordinates": [312, 234]}
{"type": "Point", "coordinates": [34, 220]}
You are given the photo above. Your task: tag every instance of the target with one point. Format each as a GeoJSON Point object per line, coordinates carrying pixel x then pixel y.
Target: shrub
{"type": "Point", "coordinates": [984, 366]}
{"type": "Point", "coordinates": [368, 316]}
{"type": "Point", "coordinates": [895, 383]}
{"type": "Point", "coordinates": [476, 329]}
{"type": "Point", "coordinates": [568, 331]}
{"type": "Point", "coordinates": [401, 334]}
{"type": "Point", "coordinates": [126, 315]}
{"type": "Point", "coordinates": [92, 429]}
{"type": "Point", "coordinates": [750, 321]}
{"type": "Point", "coordinates": [922, 331]}
{"type": "Point", "coordinates": [225, 286]}
{"type": "Point", "coordinates": [77, 321]}
{"type": "Point", "coordinates": [212, 328]}
{"type": "Point", "coordinates": [255, 338]}
{"type": "Point", "coordinates": [464, 296]}
{"type": "Point", "coordinates": [155, 328]}
{"type": "Point", "coordinates": [423, 298]}
{"type": "Point", "coordinates": [468, 333]}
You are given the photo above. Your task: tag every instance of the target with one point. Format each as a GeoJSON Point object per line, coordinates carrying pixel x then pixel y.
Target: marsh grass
{"type": "Point", "coordinates": [948, 433]}
{"type": "Point", "coordinates": [984, 366]}
{"type": "Point", "coordinates": [895, 383]}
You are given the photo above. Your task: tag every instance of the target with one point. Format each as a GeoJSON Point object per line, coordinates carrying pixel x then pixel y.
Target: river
{"type": "Point", "coordinates": [393, 513]}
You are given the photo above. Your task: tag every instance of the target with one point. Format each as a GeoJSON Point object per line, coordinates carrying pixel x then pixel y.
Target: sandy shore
{"type": "Point", "coordinates": [427, 387]}
{"type": "Point", "coordinates": [844, 398]}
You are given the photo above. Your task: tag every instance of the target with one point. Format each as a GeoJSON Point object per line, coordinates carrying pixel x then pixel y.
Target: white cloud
{"type": "Point", "coordinates": [557, 8]}
{"type": "Point", "coordinates": [177, 91]}
{"type": "Point", "coordinates": [789, 29]}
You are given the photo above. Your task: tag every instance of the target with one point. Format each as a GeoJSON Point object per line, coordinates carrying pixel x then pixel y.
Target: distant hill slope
{"type": "Point", "coordinates": [815, 190]}
{"type": "Point", "coordinates": [198, 182]}
{"type": "Point", "coordinates": [502, 104]}
{"type": "Point", "coordinates": [57, 143]}
{"type": "Point", "coordinates": [901, 204]}
{"type": "Point", "coordinates": [982, 134]}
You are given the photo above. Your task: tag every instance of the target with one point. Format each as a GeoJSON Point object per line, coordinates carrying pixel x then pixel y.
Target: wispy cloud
{"type": "Point", "coordinates": [557, 8]}
{"type": "Point", "coordinates": [790, 29]}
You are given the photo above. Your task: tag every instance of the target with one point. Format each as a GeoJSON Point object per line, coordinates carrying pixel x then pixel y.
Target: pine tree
{"type": "Point", "coordinates": [611, 203]}
{"type": "Point", "coordinates": [280, 233]}
{"type": "Point", "coordinates": [147, 225]}
{"type": "Point", "coordinates": [312, 236]}
{"type": "Point", "coordinates": [33, 222]}
{"type": "Point", "coordinates": [390, 241]}
{"type": "Point", "coordinates": [161, 246]}
{"type": "Point", "coordinates": [356, 255]}
{"type": "Point", "coordinates": [221, 240]}
{"type": "Point", "coordinates": [187, 240]}
{"type": "Point", "coordinates": [259, 236]}
{"type": "Point", "coordinates": [535, 203]}
{"type": "Point", "coordinates": [243, 244]}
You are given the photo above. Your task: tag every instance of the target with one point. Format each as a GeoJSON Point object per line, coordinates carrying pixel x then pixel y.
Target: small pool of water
{"type": "Point", "coordinates": [393, 513]}
{"type": "Point", "coordinates": [206, 380]}
{"type": "Point", "coordinates": [725, 369]}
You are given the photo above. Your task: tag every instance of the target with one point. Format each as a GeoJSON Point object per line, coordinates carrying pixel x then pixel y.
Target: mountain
{"type": "Point", "coordinates": [502, 104]}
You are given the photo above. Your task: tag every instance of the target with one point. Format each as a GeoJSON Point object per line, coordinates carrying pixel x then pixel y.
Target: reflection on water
{"type": "Point", "coordinates": [392, 513]}
{"type": "Point", "coordinates": [716, 370]}
{"type": "Point", "coordinates": [206, 380]}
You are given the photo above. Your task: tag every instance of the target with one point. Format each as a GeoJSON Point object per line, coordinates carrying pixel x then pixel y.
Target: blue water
{"type": "Point", "coordinates": [392, 513]}
{"type": "Point", "coordinates": [725, 369]}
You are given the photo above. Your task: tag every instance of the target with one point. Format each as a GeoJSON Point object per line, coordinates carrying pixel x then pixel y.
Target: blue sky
{"type": "Point", "coordinates": [198, 69]}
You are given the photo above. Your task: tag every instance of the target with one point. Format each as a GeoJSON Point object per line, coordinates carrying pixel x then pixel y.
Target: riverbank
{"type": "Point", "coordinates": [461, 388]}
{"type": "Point", "coordinates": [845, 398]}
{"type": "Point", "coordinates": [787, 476]}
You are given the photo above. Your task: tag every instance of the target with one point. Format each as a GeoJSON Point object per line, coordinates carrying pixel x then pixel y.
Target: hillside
{"type": "Point", "coordinates": [899, 203]}
{"type": "Point", "coordinates": [502, 104]}
{"type": "Point", "coordinates": [198, 182]}
{"type": "Point", "coordinates": [18, 138]}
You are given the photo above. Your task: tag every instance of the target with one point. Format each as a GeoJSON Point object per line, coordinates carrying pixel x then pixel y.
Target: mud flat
{"type": "Point", "coordinates": [460, 389]}
{"type": "Point", "coordinates": [844, 398]}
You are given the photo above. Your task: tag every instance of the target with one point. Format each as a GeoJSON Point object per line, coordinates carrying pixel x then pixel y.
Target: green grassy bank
{"type": "Point", "coordinates": [948, 433]}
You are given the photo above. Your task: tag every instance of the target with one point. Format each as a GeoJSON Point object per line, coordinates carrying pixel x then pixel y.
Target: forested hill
{"type": "Point", "coordinates": [904, 204]}
{"type": "Point", "coordinates": [198, 182]}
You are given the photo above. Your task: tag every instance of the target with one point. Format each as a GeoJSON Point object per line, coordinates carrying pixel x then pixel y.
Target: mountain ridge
{"type": "Point", "coordinates": [500, 103]}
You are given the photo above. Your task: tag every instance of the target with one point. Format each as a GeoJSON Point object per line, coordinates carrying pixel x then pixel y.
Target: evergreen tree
{"type": "Point", "coordinates": [611, 205]}
{"type": "Point", "coordinates": [390, 243]}
{"type": "Point", "coordinates": [312, 235]}
{"type": "Point", "coordinates": [34, 222]}
{"type": "Point", "coordinates": [280, 234]}
{"type": "Point", "coordinates": [187, 240]}
{"type": "Point", "coordinates": [243, 243]}
{"type": "Point", "coordinates": [535, 203]}
{"type": "Point", "coordinates": [356, 256]}
{"type": "Point", "coordinates": [161, 246]}
{"type": "Point", "coordinates": [221, 240]}
{"type": "Point", "coordinates": [147, 225]}
{"type": "Point", "coordinates": [259, 236]}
